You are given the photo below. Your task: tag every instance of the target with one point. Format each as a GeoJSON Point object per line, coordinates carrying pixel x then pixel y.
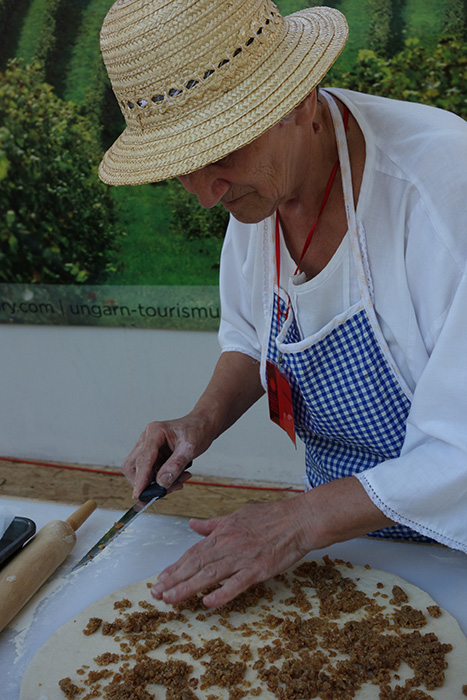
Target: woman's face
{"type": "Point", "coordinates": [252, 182]}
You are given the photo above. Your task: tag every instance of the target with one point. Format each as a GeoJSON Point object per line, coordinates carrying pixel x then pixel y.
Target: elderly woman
{"type": "Point", "coordinates": [343, 281]}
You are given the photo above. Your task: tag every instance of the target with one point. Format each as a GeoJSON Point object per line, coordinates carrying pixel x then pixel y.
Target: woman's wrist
{"type": "Point", "coordinates": [338, 511]}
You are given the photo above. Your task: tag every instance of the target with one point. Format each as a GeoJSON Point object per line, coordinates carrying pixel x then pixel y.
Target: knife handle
{"type": "Point", "coordinates": [153, 490]}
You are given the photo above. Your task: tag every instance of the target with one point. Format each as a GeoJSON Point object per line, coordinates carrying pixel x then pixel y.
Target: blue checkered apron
{"type": "Point", "coordinates": [350, 401]}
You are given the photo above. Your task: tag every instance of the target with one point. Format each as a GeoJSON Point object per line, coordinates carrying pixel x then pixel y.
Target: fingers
{"type": "Point", "coordinates": [189, 579]}
{"type": "Point", "coordinates": [172, 468]}
{"type": "Point", "coordinates": [238, 550]}
{"type": "Point", "coordinates": [203, 527]}
{"type": "Point", "coordinates": [195, 572]}
{"type": "Point", "coordinates": [138, 466]}
{"type": "Point", "coordinates": [230, 589]}
{"type": "Point", "coordinates": [178, 484]}
{"type": "Point", "coordinates": [227, 591]}
{"type": "Point", "coordinates": [161, 449]}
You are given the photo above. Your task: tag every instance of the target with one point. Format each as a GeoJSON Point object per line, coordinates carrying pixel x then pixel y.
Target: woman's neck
{"type": "Point", "coordinates": [299, 213]}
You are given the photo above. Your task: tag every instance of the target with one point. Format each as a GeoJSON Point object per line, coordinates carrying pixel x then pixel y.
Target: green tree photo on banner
{"type": "Point", "coordinates": [59, 223]}
{"type": "Point", "coordinates": [74, 251]}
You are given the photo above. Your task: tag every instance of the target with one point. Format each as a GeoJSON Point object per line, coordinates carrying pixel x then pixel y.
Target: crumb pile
{"type": "Point", "coordinates": [321, 630]}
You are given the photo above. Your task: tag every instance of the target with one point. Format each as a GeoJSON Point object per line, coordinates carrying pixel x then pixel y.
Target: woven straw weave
{"type": "Point", "coordinates": [198, 79]}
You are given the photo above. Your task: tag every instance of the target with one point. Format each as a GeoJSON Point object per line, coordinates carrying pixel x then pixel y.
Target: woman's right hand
{"type": "Point", "coordinates": [166, 447]}
{"type": "Point", "coordinates": [163, 451]}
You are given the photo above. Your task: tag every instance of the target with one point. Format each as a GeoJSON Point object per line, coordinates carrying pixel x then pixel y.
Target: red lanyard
{"type": "Point", "coordinates": [327, 192]}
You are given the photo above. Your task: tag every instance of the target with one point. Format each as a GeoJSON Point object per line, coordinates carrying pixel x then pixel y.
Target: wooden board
{"type": "Point", "coordinates": [68, 483]}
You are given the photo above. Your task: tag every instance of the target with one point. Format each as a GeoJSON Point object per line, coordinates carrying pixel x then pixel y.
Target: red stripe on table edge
{"type": "Point", "coordinates": [190, 482]}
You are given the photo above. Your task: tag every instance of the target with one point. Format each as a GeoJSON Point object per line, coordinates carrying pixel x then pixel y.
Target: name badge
{"type": "Point", "coordinates": [280, 400]}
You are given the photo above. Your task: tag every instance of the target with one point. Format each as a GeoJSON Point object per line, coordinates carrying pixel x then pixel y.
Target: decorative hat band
{"type": "Point", "coordinates": [140, 97]}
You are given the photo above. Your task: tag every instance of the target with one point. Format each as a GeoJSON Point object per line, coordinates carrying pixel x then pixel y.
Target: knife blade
{"type": "Point", "coordinates": [153, 492]}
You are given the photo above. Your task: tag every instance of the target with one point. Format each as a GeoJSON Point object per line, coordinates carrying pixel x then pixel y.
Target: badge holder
{"type": "Point", "coordinates": [280, 400]}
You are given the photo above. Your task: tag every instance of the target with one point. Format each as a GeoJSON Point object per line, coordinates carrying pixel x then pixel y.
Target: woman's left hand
{"type": "Point", "coordinates": [238, 550]}
{"type": "Point", "coordinates": [260, 541]}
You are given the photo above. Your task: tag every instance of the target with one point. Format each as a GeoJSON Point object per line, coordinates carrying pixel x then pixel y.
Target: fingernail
{"type": "Point", "coordinates": [156, 591]}
{"type": "Point", "coordinates": [165, 480]}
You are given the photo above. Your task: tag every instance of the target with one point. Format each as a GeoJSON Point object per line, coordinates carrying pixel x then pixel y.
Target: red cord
{"type": "Point", "coordinates": [112, 473]}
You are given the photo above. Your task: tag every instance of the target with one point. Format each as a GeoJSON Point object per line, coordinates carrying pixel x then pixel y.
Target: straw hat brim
{"type": "Point", "coordinates": [314, 39]}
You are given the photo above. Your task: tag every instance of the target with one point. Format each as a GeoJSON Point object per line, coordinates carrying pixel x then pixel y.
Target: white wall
{"type": "Point", "coordinates": [84, 395]}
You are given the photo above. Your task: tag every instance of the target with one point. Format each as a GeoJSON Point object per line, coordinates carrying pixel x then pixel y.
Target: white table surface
{"type": "Point", "coordinates": [152, 543]}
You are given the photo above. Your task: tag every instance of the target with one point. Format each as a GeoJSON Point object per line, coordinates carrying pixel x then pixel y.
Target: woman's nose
{"type": "Point", "coordinates": [206, 186]}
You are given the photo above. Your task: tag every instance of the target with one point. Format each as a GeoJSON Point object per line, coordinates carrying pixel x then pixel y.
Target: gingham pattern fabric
{"type": "Point", "coordinates": [349, 408]}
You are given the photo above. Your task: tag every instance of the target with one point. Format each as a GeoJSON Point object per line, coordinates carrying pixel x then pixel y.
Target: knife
{"type": "Point", "coordinates": [149, 495]}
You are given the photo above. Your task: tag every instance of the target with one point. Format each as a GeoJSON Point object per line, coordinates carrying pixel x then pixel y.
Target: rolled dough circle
{"type": "Point", "coordinates": [290, 622]}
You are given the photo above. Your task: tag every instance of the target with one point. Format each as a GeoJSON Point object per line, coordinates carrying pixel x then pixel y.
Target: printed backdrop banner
{"type": "Point", "coordinates": [183, 308]}
{"type": "Point", "coordinates": [75, 252]}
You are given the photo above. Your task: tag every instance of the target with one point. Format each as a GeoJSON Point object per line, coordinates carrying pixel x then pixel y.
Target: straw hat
{"type": "Point", "coordinates": [198, 79]}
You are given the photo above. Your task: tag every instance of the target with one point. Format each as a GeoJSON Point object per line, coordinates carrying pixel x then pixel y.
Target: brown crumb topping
{"type": "Point", "coordinates": [409, 617]}
{"type": "Point", "coordinates": [70, 690]}
{"type": "Point", "coordinates": [107, 658]}
{"type": "Point", "coordinates": [318, 636]}
{"type": "Point", "coordinates": [434, 610]}
{"type": "Point", "coordinates": [399, 596]}
{"type": "Point", "coordinates": [93, 625]}
{"type": "Point", "coordinates": [94, 676]}
{"type": "Point", "coordinates": [223, 673]}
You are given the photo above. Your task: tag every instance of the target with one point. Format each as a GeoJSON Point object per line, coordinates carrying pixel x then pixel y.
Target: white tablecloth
{"type": "Point", "coordinates": [153, 542]}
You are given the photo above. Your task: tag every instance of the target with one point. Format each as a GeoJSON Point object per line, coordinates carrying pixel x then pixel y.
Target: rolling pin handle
{"type": "Point", "coordinates": [77, 518]}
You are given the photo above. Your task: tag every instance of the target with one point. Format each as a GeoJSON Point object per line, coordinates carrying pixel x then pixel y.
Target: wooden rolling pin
{"type": "Point", "coordinates": [32, 566]}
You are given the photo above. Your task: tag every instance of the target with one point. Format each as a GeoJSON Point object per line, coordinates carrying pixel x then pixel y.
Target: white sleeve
{"type": "Point", "coordinates": [237, 332]}
{"type": "Point", "coordinates": [426, 487]}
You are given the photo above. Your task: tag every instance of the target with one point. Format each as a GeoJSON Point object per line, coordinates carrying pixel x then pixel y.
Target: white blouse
{"type": "Point", "coordinates": [412, 208]}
